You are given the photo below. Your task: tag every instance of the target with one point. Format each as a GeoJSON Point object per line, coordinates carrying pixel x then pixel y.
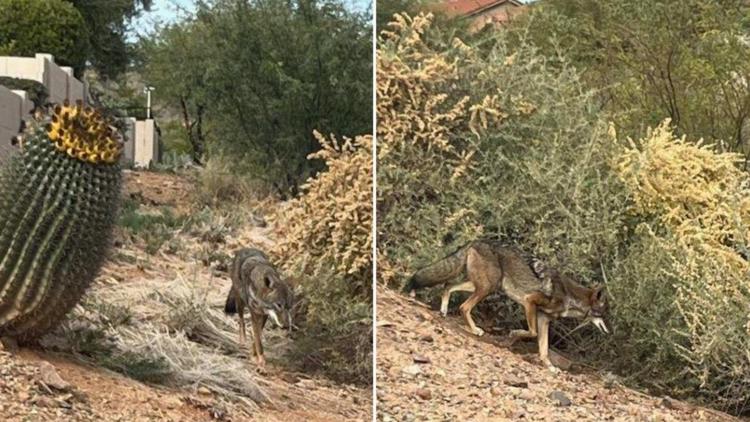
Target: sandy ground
{"type": "Point", "coordinates": [431, 369]}
{"type": "Point", "coordinates": [41, 385]}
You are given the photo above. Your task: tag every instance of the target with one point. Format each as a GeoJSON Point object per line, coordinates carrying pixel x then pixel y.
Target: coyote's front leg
{"type": "Point", "coordinates": [258, 321]}
{"type": "Point", "coordinates": [543, 341]}
{"type": "Point", "coordinates": [530, 303]}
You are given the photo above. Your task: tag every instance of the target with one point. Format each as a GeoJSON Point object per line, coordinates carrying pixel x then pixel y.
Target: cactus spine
{"type": "Point", "coordinates": [58, 203]}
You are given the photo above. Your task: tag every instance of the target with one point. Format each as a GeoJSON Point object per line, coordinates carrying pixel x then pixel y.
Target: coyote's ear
{"type": "Point", "coordinates": [269, 281]}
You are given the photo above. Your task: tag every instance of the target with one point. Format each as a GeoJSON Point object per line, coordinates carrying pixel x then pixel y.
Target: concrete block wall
{"type": "Point", "coordinates": [146, 144]}
{"type": "Point", "coordinates": [59, 81]}
{"type": "Point", "coordinates": [142, 141]}
{"type": "Point", "coordinates": [14, 105]}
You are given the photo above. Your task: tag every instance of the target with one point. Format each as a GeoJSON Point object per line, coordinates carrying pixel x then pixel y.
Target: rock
{"type": "Point", "coordinates": [44, 401]}
{"type": "Point", "coordinates": [412, 370]}
{"type": "Point", "coordinates": [48, 376]}
{"type": "Point", "coordinates": [673, 404]}
{"type": "Point", "coordinates": [610, 380]}
{"type": "Point", "coordinates": [526, 395]}
{"type": "Point", "coordinates": [560, 361]}
{"type": "Point", "coordinates": [516, 382]}
{"type": "Point", "coordinates": [424, 394]}
{"type": "Point", "coordinates": [204, 391]}
{"type": "Point", "coordinates": [427, 338]}
{"type": "Point", "coordinates": [560, 399]}
{"type": "Point", "coordinates": [421, 359]}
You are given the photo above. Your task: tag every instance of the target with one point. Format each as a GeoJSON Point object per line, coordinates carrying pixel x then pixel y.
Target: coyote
{"type": "Point", "coordinates": [257, 285]}
{"type": "Point", "coordinates": [544, 293]}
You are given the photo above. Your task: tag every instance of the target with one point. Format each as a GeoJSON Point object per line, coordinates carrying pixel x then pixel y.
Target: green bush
{"type": "Point", "coordinates": [653, 59]}
{"type": "Point", "coordinates": [492, 141]}
{"type": "Point", "coordinates": [44, 26]}
{"type": "Point", "coordinates": [489, 137]}
{"type": "Point", "coordinates": [38, 93]}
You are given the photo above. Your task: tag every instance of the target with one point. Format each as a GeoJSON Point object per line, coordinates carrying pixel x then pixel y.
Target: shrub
{"type": "Point", "coordinates": [44, 26]}
{"type": "Point", "coordinates": [327, 235]}
{"type": "Point", "coordinates": [493, 141]}
{"type": "Point", "coordinates": [38, 93]}
{"type": "Point", "coordinates": [690, 245]}
{"type": "Point", "coordinates": [488, 138]}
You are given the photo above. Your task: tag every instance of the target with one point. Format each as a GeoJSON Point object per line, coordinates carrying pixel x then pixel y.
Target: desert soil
{"type": "Point", "coordinates": [430, 369]}
{"type": "Point", "coordinates": [42, 385]}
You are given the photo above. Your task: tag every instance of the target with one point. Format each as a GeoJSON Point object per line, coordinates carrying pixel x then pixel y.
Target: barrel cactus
{"type": "Point", "coordinates": [58, 203]}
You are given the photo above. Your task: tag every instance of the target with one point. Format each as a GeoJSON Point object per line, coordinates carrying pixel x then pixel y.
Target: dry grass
{"type": "Point", "coordinates": [175, 329]}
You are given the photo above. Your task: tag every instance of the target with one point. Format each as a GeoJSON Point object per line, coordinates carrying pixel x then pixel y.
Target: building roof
{"type": "Point", "coordinates": [474, 7]}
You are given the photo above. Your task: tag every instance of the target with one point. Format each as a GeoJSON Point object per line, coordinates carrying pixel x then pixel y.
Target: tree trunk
{"type": "Point", "coordinates": [194, 130]}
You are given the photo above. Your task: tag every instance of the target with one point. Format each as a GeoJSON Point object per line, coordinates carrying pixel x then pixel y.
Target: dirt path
{"type": "Point", "coordinates": [92, 393]}
{"type": "Point", "coordinates": [430, 369]}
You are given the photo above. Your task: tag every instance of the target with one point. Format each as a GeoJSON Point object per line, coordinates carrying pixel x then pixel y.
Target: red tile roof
{"type": "Point", "coordinates": [473, 7]}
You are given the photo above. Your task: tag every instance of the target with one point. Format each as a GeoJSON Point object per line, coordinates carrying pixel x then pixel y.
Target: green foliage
{"type": "Point", "coordinates": [493, 141]}
{"type": "Point", "coordinates": [38, 93]}
{"type": "Point", "coordinates": [28, 27]}
{"type": "Point", "coordinates": [336, 338]}
{"type": "Point", "coordinates": [252, 81]}
{"type": "Point", "coordinates": [56, 216]}
{"type": "Point", "coordinates": [686, 60]}
{"type": "Point", "coordinates": [108, 24]}
{"type": "Point", "coordinates": [153, 228]}
{"type": "Point", "coordinates": [490, 137]}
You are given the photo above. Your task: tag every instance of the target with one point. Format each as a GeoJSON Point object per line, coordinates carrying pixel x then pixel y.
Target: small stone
{"type": "Point", "coordinates": [204, 391]}
{"type": "Point", "coordinates": [527, 395]}
{"type": "Point", "coordinates": [421, 359]}
{"type": "Point", "coordinates": [517, 382]}
{"type": "Point", "coordinates": [48, 376]}
{"type": "Point", "coordinates": [412, 370]}
{"type": "Point", "coordinates": [427, 338]}
{"type": "Point", "coordinates": [424, 394]}
{"type": "Point", "coordinates": [673, 404]}
{"type": "Point", "coordinates": [560, 399]}
{"type": "Point", "coordinates": [44, 401]}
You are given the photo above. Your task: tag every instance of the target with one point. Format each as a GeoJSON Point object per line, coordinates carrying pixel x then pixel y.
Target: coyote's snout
{"type": "Point", "coordinates": [258, 286]}
{"type": "Point", "coordinates": [544, 293]}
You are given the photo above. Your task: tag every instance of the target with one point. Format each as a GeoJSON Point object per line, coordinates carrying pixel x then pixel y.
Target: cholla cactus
{"type": "Point", "coordinates": [58, 201]}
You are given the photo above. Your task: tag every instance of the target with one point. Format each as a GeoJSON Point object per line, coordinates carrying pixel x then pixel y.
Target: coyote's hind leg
{"type": "Point", "coordinates": [467, 286]}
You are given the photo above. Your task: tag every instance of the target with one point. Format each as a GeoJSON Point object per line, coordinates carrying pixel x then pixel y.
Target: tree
{"type": "Point", "coordinates": [107, 23]}
{"type": "Point", "coordinates": [256, 79]}
{"type": "Point", "coordinates": [686, 60]}
{"type": "Point", "coordinates": [28, 27]}
{"type": "Point", "coordinates": [172, 63]}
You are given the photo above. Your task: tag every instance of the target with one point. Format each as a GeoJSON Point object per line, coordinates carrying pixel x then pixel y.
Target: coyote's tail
{"type": "Point", "coordinates": [230, 307]}
{"type": "Point", "coordinates": [439, 272]}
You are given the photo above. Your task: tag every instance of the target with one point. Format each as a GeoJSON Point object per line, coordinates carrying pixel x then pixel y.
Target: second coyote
{"type": "Point", "coordinates": [543, 293]}
{"type": "Point", "coordinates": [258, 286]}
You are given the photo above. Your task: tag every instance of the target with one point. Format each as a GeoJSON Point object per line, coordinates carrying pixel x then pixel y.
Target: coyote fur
{"type": "Point", "coordinates": [543, 293]}
{"type": "Point", "coordinates": [258, 286]}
